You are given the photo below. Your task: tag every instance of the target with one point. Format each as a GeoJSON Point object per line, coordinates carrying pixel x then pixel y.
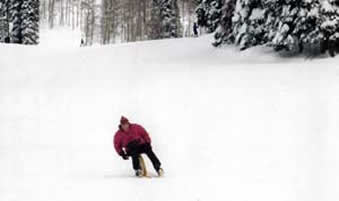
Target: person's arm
{"type": "Point", "coordinates": [117, 145]}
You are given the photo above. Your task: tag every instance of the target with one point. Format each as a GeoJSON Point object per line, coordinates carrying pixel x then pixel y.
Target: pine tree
{"type": "Point", "coordinates": [307, 28]}
{"type": "Point", "coordinates": [248, 24]}
{"type": "Point", "coordinates": [165, 20]}
{"type": "Point", "coordinates": [3, 21]}
{"type": "Point", "coordinates": [30, 22]}
{"type": "Point", "coordinates": [304, 25]}
{"type": "Point", "coordinates": [329, 27]}
{"type": "Point", "coordinates": [209, 14]}
{"type": "Point", "coordinates": [296, 26]}
{"type": "Point", "coordinates": [283, 36]}
{"type": "Point", "coordinates": [15, 18]}
{"type": "Point", "coordinates": [170, 19]}
{"type": "Point", "coordinates": [155, 23]}
{"type": "Point", "coordinates": [225, 29]}
{"type": "Point", "coordinates": [272, 14]}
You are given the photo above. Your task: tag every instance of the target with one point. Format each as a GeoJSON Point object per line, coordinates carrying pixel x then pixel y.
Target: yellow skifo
{"type": "Point", "coordinates": [143, 167]}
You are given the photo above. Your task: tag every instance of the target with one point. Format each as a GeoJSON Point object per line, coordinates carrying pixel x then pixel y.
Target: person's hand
{"type": "Point", "coordinates": [124, 156]}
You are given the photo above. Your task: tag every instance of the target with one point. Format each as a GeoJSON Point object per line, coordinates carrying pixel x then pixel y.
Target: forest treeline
{"type": "Point", "coordinates": [113, 21]}
{"type": "Point", "coordinates": [296, 26]}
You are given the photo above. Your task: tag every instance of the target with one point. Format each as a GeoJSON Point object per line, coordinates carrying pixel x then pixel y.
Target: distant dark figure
{"type": "Point", "coordinates": [195, 29]}
{"type": "Point", "coordinates": [82, 43]}
{"type": "Point", "coordinates": [7, 40]}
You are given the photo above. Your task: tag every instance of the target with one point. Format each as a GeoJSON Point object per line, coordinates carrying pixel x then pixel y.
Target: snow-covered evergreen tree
{"type": "Point", "coordinates": [291, 25]}
{"type": "Point", "coordinates": [285, 23]}
{"type": "Point", "coordinates": [3, 21]}
{"type": "Point", "coordinates": [248, 23]}
{"type": "Point", "coordinates": [209, 14]}
{"type": "Point", "coordinates": [224, 31]}
{"type": "Point", "coordinates": [30, 22]}
{"type": "Point", "coordinates": [307, 28]}
{"type": "Point", "coordinates": [155, 23]}
{"type": "Point", "coordinates": [170, 19]}
{"type": "Point", "coordinates": [329, 27]}
{"type": "Point", "coordinates": [22, 20]}
{"type": "Point", "coordinates": [295, 26]}
{"type": "Point", "coordinates": [272, 13]}
{"type": "Point", "coordinates": [165, 22]}
{"type": "Point", "coordinates": [15, 17]}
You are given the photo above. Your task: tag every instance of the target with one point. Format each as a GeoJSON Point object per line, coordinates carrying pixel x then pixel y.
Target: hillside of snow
{"type": "Point", "coordinates": [227, 125]}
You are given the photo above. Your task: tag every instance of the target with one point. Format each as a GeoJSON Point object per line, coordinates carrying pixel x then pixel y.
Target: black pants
{"type": "Point", "coordinates": [135, 149]}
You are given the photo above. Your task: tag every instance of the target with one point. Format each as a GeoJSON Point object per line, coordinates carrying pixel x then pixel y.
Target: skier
{"type": "Point", "coordinates": [82, 43]}
{"type": "Point", "coordinates": [195, 29]}
{"type": "Point", "coordinates": [7, 39]}
{"type": "Point", "coordinates": [133, 140]}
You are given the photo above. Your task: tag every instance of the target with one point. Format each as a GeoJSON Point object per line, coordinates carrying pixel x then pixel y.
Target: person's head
{"type": "Point", "coordinates": [124, 124]}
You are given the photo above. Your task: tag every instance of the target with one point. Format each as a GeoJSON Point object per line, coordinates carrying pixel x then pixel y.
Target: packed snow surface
{"type": "Point", "coordinates": [227, 125]}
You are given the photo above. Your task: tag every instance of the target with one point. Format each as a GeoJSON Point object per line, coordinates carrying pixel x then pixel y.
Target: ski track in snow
{"type": "Point", "coordinates": [227, 125]}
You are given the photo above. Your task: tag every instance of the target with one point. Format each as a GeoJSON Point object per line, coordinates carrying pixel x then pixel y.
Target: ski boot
{"type": "Point", "coordinates": [138, 173]}
{"type": "Point", "coordinates": [160, 172]}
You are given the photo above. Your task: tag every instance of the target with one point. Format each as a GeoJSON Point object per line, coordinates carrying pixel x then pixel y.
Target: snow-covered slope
{"type": "Point", "coordinates": [227, 125]}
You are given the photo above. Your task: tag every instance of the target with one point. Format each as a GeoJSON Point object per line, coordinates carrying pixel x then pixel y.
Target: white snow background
{"type": "Point", "coordinates": [227, 125]}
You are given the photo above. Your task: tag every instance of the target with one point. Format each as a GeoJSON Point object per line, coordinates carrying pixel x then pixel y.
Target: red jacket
{"type": "Point", "coordinates": [136, 132]}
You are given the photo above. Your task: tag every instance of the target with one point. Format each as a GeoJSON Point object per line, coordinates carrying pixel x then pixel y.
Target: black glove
{"type": "Point", "coordinates": [124, 156]}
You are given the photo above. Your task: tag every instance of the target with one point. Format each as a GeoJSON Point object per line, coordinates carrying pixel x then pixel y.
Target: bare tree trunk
{"type": "Point", "coordinates": [51, 6]}
{"type": "Point", "coordinates": [62, 14]}
{"type": "Point", "coordinates": [73, 15]}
